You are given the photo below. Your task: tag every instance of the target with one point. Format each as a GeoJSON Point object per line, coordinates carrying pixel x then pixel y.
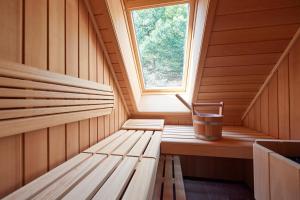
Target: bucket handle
{"type": "Point", "coordinates": [220, 105]}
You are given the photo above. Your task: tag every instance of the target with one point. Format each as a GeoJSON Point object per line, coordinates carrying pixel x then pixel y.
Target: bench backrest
{"type": "Point", "coordinates": [32, 99]}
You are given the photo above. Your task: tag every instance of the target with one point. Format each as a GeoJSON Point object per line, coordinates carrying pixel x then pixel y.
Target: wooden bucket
{"type": "Point", "coordinates": [208, 126]}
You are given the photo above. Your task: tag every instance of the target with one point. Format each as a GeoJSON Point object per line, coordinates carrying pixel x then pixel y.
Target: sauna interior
{"type": "Point", "coordinates": [150, 99]}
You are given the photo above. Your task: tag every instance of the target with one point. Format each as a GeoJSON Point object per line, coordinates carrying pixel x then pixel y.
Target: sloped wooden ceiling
{"type": "Point", "coordinates": [242, 42]}
{"type": "Point", "coordinates": [105, 28]}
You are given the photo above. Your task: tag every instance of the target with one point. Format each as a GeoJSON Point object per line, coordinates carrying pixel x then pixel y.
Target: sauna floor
{"type": "Point", "coordinates": [216, 190]}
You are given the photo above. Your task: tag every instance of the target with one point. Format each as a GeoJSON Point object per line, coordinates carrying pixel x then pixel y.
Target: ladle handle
{"type": "Point", "coordinates": [184, 102]}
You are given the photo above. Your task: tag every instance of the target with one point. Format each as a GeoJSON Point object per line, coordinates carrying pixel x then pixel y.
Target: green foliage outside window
{"type": "Point", "coordinates": [161, 37]}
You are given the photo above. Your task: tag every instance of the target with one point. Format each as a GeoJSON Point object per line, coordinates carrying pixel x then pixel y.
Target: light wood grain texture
{"type": "Point", "coordinates": [140, 146]}
{"type": "Point", "coordinates": [144, 124]}
{"type": "Point", "coordinates": [108, 149]}
{"type": "Point", "coordinates": [236, 142]}
{"type": "Point", "coordinates": [89, 185]}
{"type": "Point", "coordinates": [115, 185]}
{"type": "Point", "coordinates": [126, 146]}
{"type": "Point", "coordinates": [95, 148]}
{"type": "Point", "coordinates": [271, 161]}
{"type": "Point", "coordinates": [142, 180]}
{"type": "Point", "coordinates": [58, 189]}
{"type": "Point", "coordinates": [153, 148]}
{"type": "Point", "coordinates": [170, 182]}
{"type": "Point", "coordinates": [261, 172]}
{"type": "Point", "coordinates": [281, 105]}
{"type": "Point", "coordinates": [40, 183]}
{"type": "Point", "coordinates": [241, 34]}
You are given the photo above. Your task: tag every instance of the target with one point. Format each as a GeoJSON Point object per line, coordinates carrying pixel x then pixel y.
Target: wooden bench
{"type": "Point", "coordinates": [169, 181]}
{"type": "Point", "coordinates": [122, 165]}
{"type": "Point", "coordinates": [237, 142]}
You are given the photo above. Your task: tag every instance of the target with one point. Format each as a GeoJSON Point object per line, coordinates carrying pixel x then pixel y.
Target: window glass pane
{"type": "Point", "coordinates": [161, 34]}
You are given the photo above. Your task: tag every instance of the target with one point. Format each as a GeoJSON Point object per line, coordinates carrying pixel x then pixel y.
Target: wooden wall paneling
{"type": "Point", "coordinates": [252, 118]}
{"type": "Point", "coordinates": [294, 71]}
{"type": "Point", "coordinates": [84, 128]}
{"type": "Point", "coordinates": [112, 115]}
{"type": "Point", "coordinates": [72, 69]}
{"type": "Point", "coordinates": [265, 111]}
{"type": "Point", "coordinates": [273, 106]}
{"type": "Point", "coordinates": [93, 77]}
{"type": "Point", "coordinates": [11, 173]}
{"type": "Point", "coordinates": [283, 100]}
{"type": "Point", "coordinates": [106, 81]}
{"type": "Point", "coordinates": [266, 18]}
{"type": "Point", "coordinates": [11, 33]}
{"type": "Point", "coordinates": [57, 135]}
{"type": "Point", "coordinates": [100, 79]}
{"type": "Point", "coordinates": [232, 6]}
{"type": "Point", "coordinates": [11, 148]}
{"type": "Point", "coordinates": [116, 110]}
{"type": "Point", "coordinates": [36, 54]}
{"type": "Point", "coordinates": [257, 115]}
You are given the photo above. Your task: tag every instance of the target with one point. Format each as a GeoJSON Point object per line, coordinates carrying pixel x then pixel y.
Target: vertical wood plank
{"type": "Point", "coordinates": [35, 46]}
{"type": "Point", "coordinates": [294, 75]}
{"type": "Point", "coordinates": [252, 118]}
{"type": "Point", "coordinates": [112, 115]}
{"type": "Point", "coordinates": [283, 100]}
{"type": "Point", "coordinates": [11, 49]}
{"type": "Point", "coordinates": [106, 81]}
{"type": "Point", "coordinates": [35, 155]}
{"type": "Point", "coordinates": [57, 150]}
{"type": "Point", "coordinates": [72, 69]}
{"type": "Point", "coordinates": [83, 66]}
{"type": "Point", "coordinates": [11, 30]}
{"type": "Point", "coordinates": [93, 77]}
{"type": "Point", "coordinates": [273, 106]}
{"type": "Point", "coordinates": [257, 114]}
{"type": "Point", "coordinates": [265, 110]}
{"type": "Point", "coordinates": [116, 109]}
{"type": "Point", "coordinates": [11, 164]}
{"type": "Point", "coordinates": [100, 79]}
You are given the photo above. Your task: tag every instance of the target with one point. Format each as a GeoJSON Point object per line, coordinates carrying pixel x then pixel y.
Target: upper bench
{"type": "Point", "coordinates": [237, 142]}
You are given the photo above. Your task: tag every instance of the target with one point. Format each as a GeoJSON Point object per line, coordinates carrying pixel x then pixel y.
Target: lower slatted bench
{"type": "Point", "coordinates": [169, 181]}
{"type": "Point", "coordinates": [121, 166]}
{"type": "Point", "coordinates": [237, 142]}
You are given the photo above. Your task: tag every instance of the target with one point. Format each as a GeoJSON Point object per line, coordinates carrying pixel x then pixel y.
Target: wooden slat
{"type": "Point", "coordinates": [18, 113]}
{"type": "Point", "coordinates": [144, 124]}
{"type": "Point", "coordinates": [261, 172]}
{"type": "Point", "coordinates": [179, 185]}
{"type": "Point", "coordinates": [20, 103]}
{"type": "Point", "coordinates": [142, 180]}
{"type": "Point", "coordinates": [17, 83]}
{"type": "Point", "coordinates": [34, 123]}
{"type": "Point", "coordinates": [115, 185]}
{"type": "Point", "coordinates": [153, 148]}
{"type": "Point", "coordinates": [95, 148]}
{"type": "Point", "coordinates": [168, 179]}
{"type": "Point", "coordinates": [19, 71]}
{"type": "Point", "coordinates": [42, 182]}
{"type": "Point", "coordinates": [124, 148]}
{"type": "Point", "coordinates": [88, 187]}
{"type": "Point", "coordinates": [236, 142]}
{"type": "Point", "coordinates": [59, 188]}
{"type": "Point", "coordinates": [19, 93]}
{"type": "Point", "coordinates": [159, 178]}
{"type": "Point", "coordinates": [141, 145]}
{"type": "Point", "coordinates": [116, 143]}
